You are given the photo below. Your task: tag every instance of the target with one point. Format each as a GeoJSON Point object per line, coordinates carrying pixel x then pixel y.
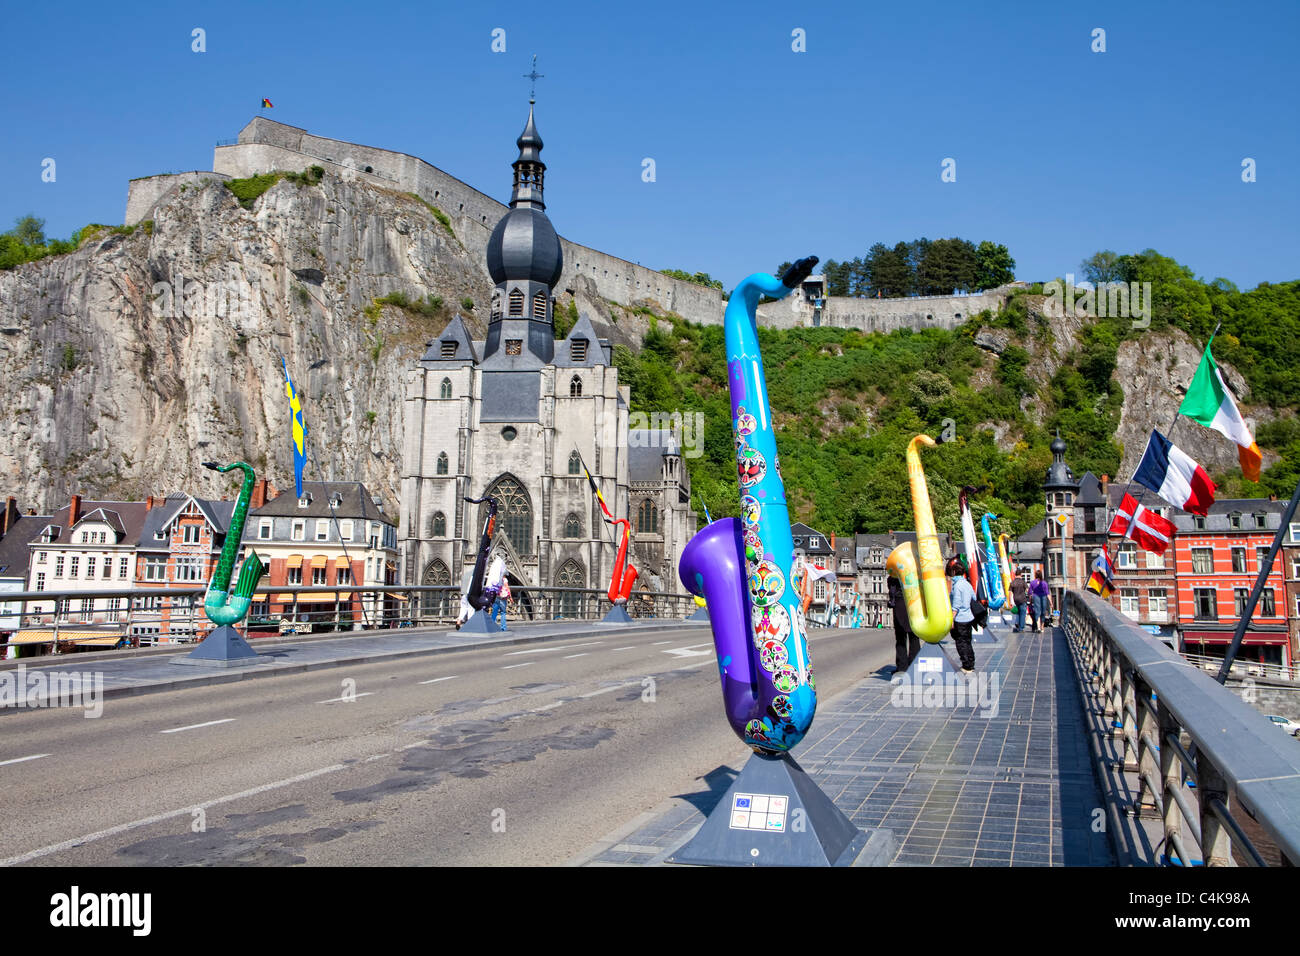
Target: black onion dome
{"type": "Point", "coordinates": [529, 141]}
{"type": "Point", "coordinates": [524, 247]}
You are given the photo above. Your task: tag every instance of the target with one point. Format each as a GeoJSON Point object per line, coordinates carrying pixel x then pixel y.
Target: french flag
{"type": "Point", "coordinates": [1168, 471]}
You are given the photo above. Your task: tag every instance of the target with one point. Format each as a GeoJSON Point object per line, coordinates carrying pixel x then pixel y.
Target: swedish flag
{"type": "Point", "coordinates": [298, 434]}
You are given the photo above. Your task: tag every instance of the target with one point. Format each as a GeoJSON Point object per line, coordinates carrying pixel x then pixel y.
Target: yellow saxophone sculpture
{"type": "Point", "coordinates": [919, 567]}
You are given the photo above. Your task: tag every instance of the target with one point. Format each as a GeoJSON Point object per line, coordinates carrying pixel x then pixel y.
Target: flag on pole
{"type": "Point", "coordinates": [1168, 471]}
{"type": "Point", "coordinates": [1209, 403]}
{"type": "Point", "coordinates": [298, 431]}
{"type": "Point", "coordinates": [596, 491]}
{"type": "Point", "coordinates": [1142, 525]}
{"type": "Point", "coordinates": [266, 104]}
{"type": "Point", "coordinates": [1103, 572]}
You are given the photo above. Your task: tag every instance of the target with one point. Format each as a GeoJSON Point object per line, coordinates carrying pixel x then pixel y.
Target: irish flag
{"type": "Point", "coordinates": [1209, 403]}
{"type": "Point", "coordinates": [1172, 474]}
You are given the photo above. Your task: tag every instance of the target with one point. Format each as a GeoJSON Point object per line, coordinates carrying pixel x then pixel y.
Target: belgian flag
{"type": "Point", "coordinates": [266, 104]}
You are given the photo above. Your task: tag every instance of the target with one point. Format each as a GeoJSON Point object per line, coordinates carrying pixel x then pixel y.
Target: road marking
{"type": "Point", "coordinates": [630, 648]}
{"type": "Point", "coordinates": [21, 759]}
{"type": "Point", "coordinates": [657, 643]}
{"type": "Point", "coordinates": [524, 664]}
{"type": "Point", "coordinates": [159, 817]}
{"type": "Point", "coordinates": [538, 710]}
{"type": "Point", "coordinates": [436, 679]}
{"type": "Point", "coordinates": [689, 651]}
{"type": "Point", "coordinates": [547, 650]}
{"type": "Point", "coordinates": [210, 723]}
{"type": "Point", "coordinates": [335, 700]}
{"type": "Point", "coordinates": [569, 657]}
{"type": "Point", "coordinates": [693, 666]}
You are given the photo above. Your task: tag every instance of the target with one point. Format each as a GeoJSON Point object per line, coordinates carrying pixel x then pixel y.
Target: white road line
{"type": "Point", "coordinates": [159, 817]}
{"type": "Point", "coordinates": [524, 664]}
{"type": "Point", "coordinates": [632, 648]}
{"type": "Point", "coordinates": [569, 657]}
{"type": "Point", "coordinates": [657, 643]}
{"type": "Point", "coordinates": [538, 710]}
{"type": "Point", "coordinates": [436, 679]}
{"type": "Point", "coordinates": [210, 723]}
{"type": "Point", "coordinates": [547, 650]}
{"type": "Point", "coordinates": [21, 759]}
{"type": "Point", "coordinates": [335, 700]}
{"type": "Point", "coordinates": [693, 666]}
{"type": "Point", "coordinates": [607, 690]}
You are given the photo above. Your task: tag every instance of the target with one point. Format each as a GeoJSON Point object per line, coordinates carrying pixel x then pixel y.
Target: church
{"type": "Point", "coordinates": [516, 417]}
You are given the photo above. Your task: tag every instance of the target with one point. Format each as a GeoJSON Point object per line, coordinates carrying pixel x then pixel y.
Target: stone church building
{"type": "Point", "coordinates": [516, 417]}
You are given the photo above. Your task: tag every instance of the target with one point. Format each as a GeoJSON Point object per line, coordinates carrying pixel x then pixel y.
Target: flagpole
{"type": "Point", "coordinates": [1265, 567]}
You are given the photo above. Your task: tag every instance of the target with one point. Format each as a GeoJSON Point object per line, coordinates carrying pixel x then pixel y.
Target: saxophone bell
{"type": "Point", "coordinates": [919, 567]}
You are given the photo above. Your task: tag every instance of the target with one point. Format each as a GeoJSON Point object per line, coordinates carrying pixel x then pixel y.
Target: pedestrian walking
{"type": "Point", "coordinates": [906, 644]}
{"type": "Point", "coordinates": [1041, 595]}
{"type": "Point", "coordinates": [1020, 594]}
{"type": "Point", "coordinates": [962, 598]}
{"type": "Point", "coordinates": [501, 605]}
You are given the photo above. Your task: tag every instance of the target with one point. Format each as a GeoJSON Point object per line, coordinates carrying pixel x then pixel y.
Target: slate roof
{"type": "Point", "coordinates": [14, 553]}
{"type": "Point", "coordinates": [646, 450]}
{"type": "Point", "coordinates": [454, 332]}
{"type": "Point", "coordinates": [582, 329]}
{"type": "Point", "coordinates": [126, 518]}
{"type": "Point", "coordinates": [357, 503]}
{"type": "Point", "coordinates": [218, 514]}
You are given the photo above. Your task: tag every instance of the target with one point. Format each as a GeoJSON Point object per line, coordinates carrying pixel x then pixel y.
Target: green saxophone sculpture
{"type": "Point", "coordinates": [221, 606]}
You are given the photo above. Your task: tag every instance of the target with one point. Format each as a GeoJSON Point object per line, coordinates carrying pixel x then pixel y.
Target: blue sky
{"type": "Point", "coordinates": [762, 154]}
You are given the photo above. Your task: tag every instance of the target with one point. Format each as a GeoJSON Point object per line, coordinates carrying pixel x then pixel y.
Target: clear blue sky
{"type": "Point", "coordinates": [762, 154]}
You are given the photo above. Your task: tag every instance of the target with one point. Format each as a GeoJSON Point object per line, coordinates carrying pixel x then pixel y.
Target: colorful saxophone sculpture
{"type": "Point", "coordinates": [1004, 563]}
{"type": "Point", "coordinates": [919, 567]}
{"type": "Point", "coordinates": [742, 566]}
{"type": "Point", "coordinates": [624, 576]}
{"type": "Point", "coordinates": [220, 605]}
{"type": "Point", "coordinates": [969, 545]}
{"type": "Point", "coordinates": [479, 597]}
{"type": "Point", "coordinates": [992, 576]}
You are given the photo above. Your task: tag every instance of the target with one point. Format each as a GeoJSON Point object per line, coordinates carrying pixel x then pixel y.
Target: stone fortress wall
{"type": "Point", "coordinates": [264, 145]}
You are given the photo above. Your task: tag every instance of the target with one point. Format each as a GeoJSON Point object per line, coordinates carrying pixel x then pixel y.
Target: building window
{"type": "Point", "coordinates": [1198, 522]}
{"type": "Point", "coordinates": [344, 575]}
{"type": "Point", "coordinates": [1155, 560]}
{"type": "Point", "coordinates": [90, 567]}
{"type": "Point", "coordinates": [190, 533]}
{"type": "Point", "coordinates": [1295, 532]}
{"type": "Point", "coordinates": [1053, 564]}
{"type": "Point", "coordinates": [108, 568]}
{"type": "Point", "coordinates": [1234, 520]}
{"type": "Point", "coordinates": [1206, 605]}
{"type": "Point", "coordinates": [516, 302]}
{"type": "Point", "coordinates": [40, 556]}
{"type": "Point", "coordinates": [155, 569]}
{"type": "Point", "coordinates": [322, 529]}
{"type": "Point", "coordinates": [647, 518]}
{"type": "Point", "coordinates": [509, 433]}
{"type": "Point", "coordinates": [40, 581]}
{"type": "Point", "coordinates": [445, 390]}
{"type": "Point", "coordinates": [123, 567]}
{"type": "Point", "coordinates": [1126, 556]}
{"type": "Point", "coordinates": [345, 529]}
{"type": "Point", "coordinates": [436, 603]}
{"type": "Point", "coordinates": [264, 529]}
{"type": "Point", "coordinates": [1239, 598]}
{"type": "Point", "coordinates": [1295, 566]}
{"type": "Point", "coordinates": [1261, 520]}
{"type": "Point", "coordinates": [575, 463]}
{"type": "Point", "coordinates": [318, 575]}
{"type": "Point", "coordinates": [443, 463]}
{"type": "Point", "coordinates": [1128, 603]}
{"type": "Point", "coordinates": [845, 566]}
{"type": "Point", "coordinates": [819, 591]}
{"type": "Point", "coordinates": [299, 530]}
{"type": "Point", "coordinates": [58, 566]}
{"type": "Point", "coordinates": [514, 346]}
{"type": "Point", "coordinates": [572, 526]}
{"type": "Point", "coordinates": [447, 351]}
{"type": "Point", "coordinates": [571, 575]}
{"type": "Point", "coordinates": [72, 566]}
{"type": "Point", "coordinates": [1267, 608]}
{"type": "Point", "coordinates": [578, 350]}
{"type": "Point", "coordinates": [188, 569]}
{"type": "Point", "coordinates": [1157, 602]}
{"type": "Point", "coordinates": [575, 387]}
{"type": "Point", "coordinates": [1239, 560]}
{"type": "Point", "coordinates": [539, 305]}
{"type": "Point", "coordinates": [1261, 555]}
{"type": "Point", "coordinates": [1202, 560]}
{"type": "Point", "coordinates": [439, 525]}
{"type": "Point", "coordinates": [294, 576]}
{"type": "Point", "coordinates": [305, 500]}
{"type": "Point", "coordinates": [515, 513]}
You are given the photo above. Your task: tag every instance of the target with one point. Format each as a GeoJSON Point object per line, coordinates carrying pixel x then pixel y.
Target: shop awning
{"type": "Point", "coordinates": [315, 597]}
{"type": "Point", "coordinates": [319, 560]}
{"type": "Point", "coordinates": [1225, 637]}
{"type": "Point", "coordinates": [341, 563]}
{"type": "Point", "coordinates": [293, 561]}
{"type": "Point", "coordinates": [109, 641]}
{"type": "Point", "coordinates": [396, 597]}
{"type": "Point", "coordinates": [258, 597]}
{"type": "Point", "coordinates": [32, 636]}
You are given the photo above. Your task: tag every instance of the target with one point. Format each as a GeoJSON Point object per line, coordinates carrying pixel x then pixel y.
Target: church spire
{"type": "Point", "coordinates": [529, 168]}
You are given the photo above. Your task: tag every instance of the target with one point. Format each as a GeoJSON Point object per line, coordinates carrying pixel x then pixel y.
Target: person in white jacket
{"type": "Point", "coordinates": [466, 609]}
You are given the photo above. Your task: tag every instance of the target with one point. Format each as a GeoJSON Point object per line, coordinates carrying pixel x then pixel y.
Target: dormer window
{"type": "Point", "coordinates": [575, 387]}
{"type": "Point", "coordinates": [1198, 522]}
{"type": "Point", "coordinates": [578, 350]}
{"type": "Point", "coordinates": [1261, 520]}
{"type": "Point", "coordinates": [305, 500]}
{"type": "Point", "coordinates": [1234, 519]}
{"type": "Point", "coordinates": [336, 499]}
{"type": "Point", "coordinates": [516, 302]}
{"type": "Point", "coordinates": [448, 351]}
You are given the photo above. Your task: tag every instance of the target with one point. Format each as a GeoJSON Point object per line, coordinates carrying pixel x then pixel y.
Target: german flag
{"type": "Point", "coordinates": [266, 104]}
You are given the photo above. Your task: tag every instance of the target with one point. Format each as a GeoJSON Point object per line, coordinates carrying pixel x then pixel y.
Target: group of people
{"type": "Point", "coordinates": [1034, 598]}
{"type": "Point", "coordinates": [496, 583]}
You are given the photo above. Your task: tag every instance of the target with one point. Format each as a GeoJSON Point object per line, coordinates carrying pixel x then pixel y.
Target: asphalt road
{"type": "Point", "coordinates": [500, 756]}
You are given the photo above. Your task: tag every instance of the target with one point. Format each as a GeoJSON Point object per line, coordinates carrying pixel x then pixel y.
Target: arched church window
{"type": "Point", "coordinates": [647, 518]}
{"type": "Point", "coordinates": [439, 529]}
{"type": "Point", "coordinates": [575, 463]}
{"type": "Point", "coordinates": [516, 302]}
{"type": "Point", "coordinates": [436, 603]}
{"type": "Point", "coordinates": [445, 391]}
{"type": "Point", "coordinates": [514, 513]}
{"type": "Point", "coordinates": [571, 575]}
{"type": "Point", "coordinates": [442, 463]}
{"type": "Point", "coordinates": [575, 387]}
{"type": "Point", "coordinates": [573, 526]}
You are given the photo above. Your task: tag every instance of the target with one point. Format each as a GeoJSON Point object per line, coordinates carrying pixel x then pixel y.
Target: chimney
{"type": "Point", "coordinates": [149, 503]}
{"type": "Point", "coordinates": [10, 515]}
{"type": "Point", "coordinates": [1105, 486]}
{"type": "Point", "coordinates": [74, 511]}
{"type": "Point", "coordinates": [1272, 497]}
{"type": "Point", "coordinates": [259, 494]}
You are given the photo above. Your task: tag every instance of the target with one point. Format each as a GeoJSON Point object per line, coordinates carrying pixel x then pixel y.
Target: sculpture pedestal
{"type": "Point", "coordinates": [773, 814]}
{"type": "Point", "coordinates": [480, 622]}
{"type": "Point", "coordinates": [929, 664]}
{"type": "Point", "coordinates": [701, 614]}
{"type": "Point", "coordinates": [617, 615]}
{"type": "Point", "coordinates": [224, 647]}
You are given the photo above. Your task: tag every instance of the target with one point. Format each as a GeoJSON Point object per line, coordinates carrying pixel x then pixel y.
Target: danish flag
{"type": "Point", "coordinates": [1143, 525]}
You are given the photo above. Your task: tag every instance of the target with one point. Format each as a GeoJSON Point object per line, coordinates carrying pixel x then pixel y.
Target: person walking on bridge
{"type": "Point", "coordinates": [1041, 594]}
{"type": "Point", "coordinates": [963, 615]}
{"type": "Point", "coordinates": [1020, 594]}
{"type": "Point", "coordinates": [906, 644]}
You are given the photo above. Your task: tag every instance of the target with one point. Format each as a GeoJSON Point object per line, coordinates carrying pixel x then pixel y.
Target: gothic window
{"type": "Point", "coordinates": [442, 463]}
{"type": "Point", "coordinates": [514, 513]}
{"type": "Point", "coordinates": [575, 387]}
{"type": "Point", "coordinates": [445, 392]}
{"type": "Point", "coordinates": [516, 302]}
{"type": "Point", "coordinates": [647, 518]}
{"type": "Point", "coordinates": [573, 526]}
{"type": "Point", "coordinates": [436, 603]}
{"type": "Point", "coordinates": [575, 463]}
{"type": "Point", "coordinates": [539, 305]}
{"type": "Point", "coordinates": [439, 526]}
{"type": "Point", "coordinates": [571, 575]}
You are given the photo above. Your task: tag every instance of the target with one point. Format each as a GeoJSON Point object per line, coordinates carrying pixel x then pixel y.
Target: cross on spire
{"type": "Point", "coordinates": [534, 76]}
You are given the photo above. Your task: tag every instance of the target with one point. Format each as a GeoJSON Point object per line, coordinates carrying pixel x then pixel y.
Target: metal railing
{"type": "Point", "coordinates": [1244, 669]}
{"type": "Point", "coordinates": [1171, 722]}
{"type": "Point", "coordinates": [55, 621]}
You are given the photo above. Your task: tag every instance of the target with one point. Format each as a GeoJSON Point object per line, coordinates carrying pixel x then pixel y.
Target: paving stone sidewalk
{"type": "Point", "coordinates": [959, 783]}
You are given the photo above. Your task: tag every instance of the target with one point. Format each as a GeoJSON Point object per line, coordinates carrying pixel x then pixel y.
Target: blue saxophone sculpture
{"type": "Point", "coordinates": [741, 567]}
{"type": "Point", "coordinates": [989, 566]}
{"type": "Point", "coordinates": [221, 605]}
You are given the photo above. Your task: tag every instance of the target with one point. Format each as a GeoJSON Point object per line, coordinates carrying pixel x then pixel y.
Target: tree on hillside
{"type": "Point", "coordinates": [949, 264]}
{"type": "Point", "coordinates": [29, 230]}
{"type": "Point", "coordinates": [699, 278]}
{"type": "Point", "coordinates": [993, 265]}
{"type": "Point", "coordinates": [887, 272]}
{"type": "Point", "coordinates": [1102, 267]}
{"type": "Point", "coordinates": [837, 277]}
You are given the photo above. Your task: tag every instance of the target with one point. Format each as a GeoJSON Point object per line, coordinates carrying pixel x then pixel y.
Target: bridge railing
{"type": "Point", "coordinates": [55, 621]}
{"type": "Point", "coordinates": [1154, 700]}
